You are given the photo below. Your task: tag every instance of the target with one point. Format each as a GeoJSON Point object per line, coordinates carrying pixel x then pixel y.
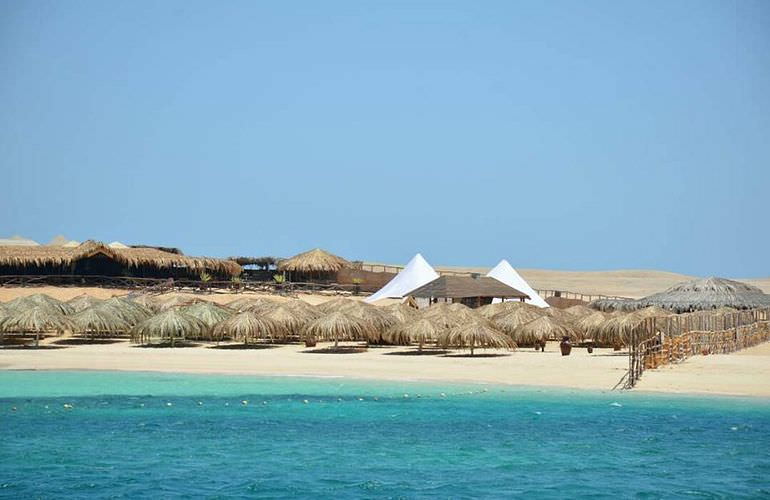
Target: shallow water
{"type": "Point", "coordinates": [160, 435]}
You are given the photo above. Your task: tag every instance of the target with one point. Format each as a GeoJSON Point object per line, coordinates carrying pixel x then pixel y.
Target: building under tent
{"type": "Point", "coordinates": [416, 274]}
{"type": "Point", "coordinates": [505, 273]}
{"type": "Point", "coordinates": [473, 291]}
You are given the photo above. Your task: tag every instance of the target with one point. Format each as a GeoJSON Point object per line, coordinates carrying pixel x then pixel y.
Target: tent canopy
{"type": "Point", "coordinates": [416, 274]}
{"type": "Point", "coordinates": [505, 273]}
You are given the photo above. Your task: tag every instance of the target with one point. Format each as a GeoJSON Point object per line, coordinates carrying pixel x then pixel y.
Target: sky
{"type": "Point", "coordinates": [576, 135]}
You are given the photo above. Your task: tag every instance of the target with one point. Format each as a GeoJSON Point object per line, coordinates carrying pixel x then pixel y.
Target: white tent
{"type": "Point", "coordinates": [505, 273]}
{"type": "Point", "coordinates": [416, 274]}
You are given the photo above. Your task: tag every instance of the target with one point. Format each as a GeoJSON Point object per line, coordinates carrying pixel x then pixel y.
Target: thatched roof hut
{"type": "Point", "coordinates": [169, 327]}
{"type": "Point", "coordinates": [478, 334]}
{"type": "Point", "coordinates": [209, 313]}
{"type": "Point", "coordinates": [705, 294]}
{"type": "Point", "coordinates": [247, 326]}
{"type": "Point", "coordinates": [313, 264]}
{"type": "Point", "coordinates": [538, 331]}
{"type": "Point", "coordinates": [421, 331]}
{"type": "Point", "coordinates": [37, 319]}
{"type": "Point", "coordinates": [82, 302]}
{"type": "Point", "coordinates": [95, 258]}
{"type": "Point", "coordinates": [338, 326]}
{"type": "Point", "coordinates": [96, 321]}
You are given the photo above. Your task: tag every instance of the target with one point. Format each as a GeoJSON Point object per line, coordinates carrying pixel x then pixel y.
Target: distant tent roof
{"type": "Point", "coordinates": [458, 287]}
{"type": "Point", "coordinates": [58, 241]}
{"type": "Point", "coordinates": [18, 241]}
{"type": "Point", "coordinates": [416, 274]}
{"type": "Point", "coordinates": [117, 244]}
{"type": "Point", "coordinates": [505, 273]}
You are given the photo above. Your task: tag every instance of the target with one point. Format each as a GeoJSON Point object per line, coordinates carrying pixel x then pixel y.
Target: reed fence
{"type": "Point", "coordinates": [671, 340]}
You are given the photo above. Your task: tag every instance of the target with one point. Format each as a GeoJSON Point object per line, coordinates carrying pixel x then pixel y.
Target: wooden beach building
{"type": "Point", "coordinates": [93, 258]}
{"type": "Point", "coordinates": [469, 290]}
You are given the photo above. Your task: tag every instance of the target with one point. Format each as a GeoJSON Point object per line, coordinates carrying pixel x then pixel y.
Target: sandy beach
{"type": "Point", "coordinates": [746, 373]}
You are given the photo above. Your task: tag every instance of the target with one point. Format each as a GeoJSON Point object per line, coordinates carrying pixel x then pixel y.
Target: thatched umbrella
{"type": "Point", "coordinates": [38, 320]}
{"type": "Point", "coordinates": [508, 321]}
{"type": "Point", "coordinates": [178, 301]}
{"type": "Point", "coordinates": [82, 302]}
{"type": "Point", "coordinates": [99, 321]}
{"type": "Point", "coordinates": [580, 310]}
{"type": "Point", "coordinates": [421, 331]}
{"type": "Point", "coordinates": [402, 312]}
{"type": "Point", "coordinates": [246, 326]}
{"type": "Point", "coordinates": [560, 314]}
{"type": "Point", "coordinates": [288, 320]}
{"type": "Point", "coordinates": [590, 324]}
{"type": "Point", "coordinates": [338, 326]}
{"type": "Point", "coordinates": [538, 331]}
{"type": "Point", "coordinates": [474, 335]}
{"type": "Point", "coordinates": [39, 300]}
{"type": "Point", "coordinates": [169, 326]}
{"type": "Point", "coordinates": [303, 308]}
{"type": "Point", "coordinates": [616, 331]}
{"type": "Point", "coordinates": [490, 310]}
{"type": "Point", "coordinates": [149, 302]}
{"type": "Point", "coordinates": [252, 304]}
{"type": "Point", "coordinates": [127, 309]}
{"type": "Point", "coordinates": [377, 319]}
{"type": "Point", "coordinates": [334, 304]}
{"type": "Point", "coordinates": [209, 313]}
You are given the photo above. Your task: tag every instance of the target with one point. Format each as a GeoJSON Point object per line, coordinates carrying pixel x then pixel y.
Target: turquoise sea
{"type": "Point", "coordinates": [141, 435]}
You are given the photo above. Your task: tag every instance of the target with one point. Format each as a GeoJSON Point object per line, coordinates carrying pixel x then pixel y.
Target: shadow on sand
{"type": "Point", "coordinates": [32, 347]}
{"type": "Point", "coordinates": [166, 345]}
{"type": "Point", "coordinates": [337, 350]}
{"type": "Point", "coordinates": [416, 352]}
{"type": "Point", "coordinates": [483, 355]}
{"type": "Point", "coordinates": [79, 341]}
{"type": "Point", "coordinates": [236, 347]}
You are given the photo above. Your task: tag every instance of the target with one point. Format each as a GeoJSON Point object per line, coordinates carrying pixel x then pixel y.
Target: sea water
{"type": "Point", "coordinates": [130, 435]}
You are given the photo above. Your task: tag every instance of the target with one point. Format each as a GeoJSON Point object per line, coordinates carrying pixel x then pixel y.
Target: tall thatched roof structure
{"type": "Point", "coordinates": [65, 260]}
{"type": "Point", "coordinates": [466, 287]}
{"type": "Point", "coordinates": [314, 261]}
{"type": "Point", "coordinates": [708, 293]}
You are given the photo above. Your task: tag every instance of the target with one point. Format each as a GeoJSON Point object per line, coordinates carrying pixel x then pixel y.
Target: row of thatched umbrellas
{"type": "Point", "coordinates": [151, 319]}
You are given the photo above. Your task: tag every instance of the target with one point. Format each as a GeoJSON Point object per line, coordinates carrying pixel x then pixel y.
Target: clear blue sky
{"type": "Point", "coordinates": [562, 134]}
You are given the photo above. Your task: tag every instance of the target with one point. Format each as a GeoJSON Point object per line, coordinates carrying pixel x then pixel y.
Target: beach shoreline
{"type": "Point", "coordinates": [743, 374]}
